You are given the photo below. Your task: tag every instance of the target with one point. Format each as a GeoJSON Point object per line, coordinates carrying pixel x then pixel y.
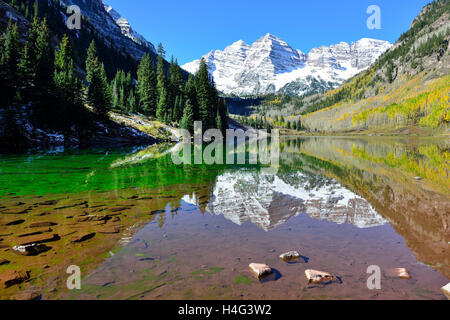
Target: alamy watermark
{"type": "Point", "coordinates": [74, 280]}
{"type": "Point", "coordinates": [237, 147]}
{"type": "Point", "coordinates": [374, 20]}
{"type": "Point", "coordinates": [74, 17]}
{"type": "Point", "coordinates": [374, 281]}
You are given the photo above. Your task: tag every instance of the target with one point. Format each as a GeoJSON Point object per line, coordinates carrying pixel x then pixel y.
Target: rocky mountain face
{"type": "Point", "coordinates": [115, 29]}
{"type": "Point", "coordinates": [127, 30]}
{"type": "Point", "coordinates": [270, 65]}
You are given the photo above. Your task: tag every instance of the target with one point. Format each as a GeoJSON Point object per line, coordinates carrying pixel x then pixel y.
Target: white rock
{"type": "Point", "coordinates": [290, 256]}
{"type": "Point", "coordinates": [446, 290]}
{"type": "Point", "coordinates": [401, 273]}
{"type": "Point", "coordinates": [315, 276]}
{"type": "Point", "coordinates": [260, 270]}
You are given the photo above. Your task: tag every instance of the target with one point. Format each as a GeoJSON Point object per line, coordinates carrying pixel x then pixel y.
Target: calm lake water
{"type": "Point", "coordinates": [163, 231]}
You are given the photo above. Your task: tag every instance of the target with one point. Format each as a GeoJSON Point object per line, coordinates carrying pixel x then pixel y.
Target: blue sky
{"type": "Point", "coordinates": [189, 29]}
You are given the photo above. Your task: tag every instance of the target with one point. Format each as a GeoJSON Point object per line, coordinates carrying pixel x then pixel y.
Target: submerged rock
{"type": "Point", "coordinates": [109, 230]}
{"type": "Point", "coordinates": [14, 222]}
{"type": "Point", "coordinates": [446, 290]}
{"type": "Point", "coordinates": [260, 270]}
{"type": "Point", "coordinates": [27, 295]}
{"type": "Point", "coordinates": [31, 250]}
{"type": "Point", "coordinates": [290, 256]}
{"type": "Point", "coordinates": [401, 273]}
{"type": "Point", "coordinates": [315, 276]}
{"type": "Point", "coordinates": [39, 238]}
{"type": "Point", "coordinates": [42, 224]}
{"type": "Point", "coordinates": [82, 237]}
{"type": "Point", "coordinates": [11, 277]}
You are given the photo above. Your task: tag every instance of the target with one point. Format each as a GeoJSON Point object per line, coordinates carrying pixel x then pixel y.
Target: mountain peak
{"type": "Point", "coordinates": [270, 65]}
{"type": "Point", "coordinates": [239, 44]}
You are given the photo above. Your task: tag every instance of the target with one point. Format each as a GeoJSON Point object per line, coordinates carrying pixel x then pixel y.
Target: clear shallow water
{"type": "Point", "coordinates": [190, 231]}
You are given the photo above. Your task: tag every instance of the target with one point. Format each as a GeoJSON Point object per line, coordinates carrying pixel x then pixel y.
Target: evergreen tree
{"type": "Point", "coordinates": [190, 94]}
{"type": "Point", "coordinates": [187, 121]}
{"type": "Point", "coordinates": [67, 84]}
{"type": "Point", "coordinates": [44, 63]}
{"type": "Point", "coordinates": [178, 111]}
{"type": "Point", "coordinates": [203, 90]}
{"type": "Point", "coordinates": [132, 104]}
{"type": "Point", "coordinates": [175, 87]}
{"type": "Point", "coordinates": [146, 87]}
{"type": "Point", "coordinates": [161, 51]}
{"type": "Point", "coordinates": [161, 111]}
{"type": "Point", "coordinates": [9, 64]}
{"type": "Point", "coordinates": [98, 91]}
{"type": "Point", "coordinates": [162, 108]}
{"type": "Point", "coordinates": [27, 64]}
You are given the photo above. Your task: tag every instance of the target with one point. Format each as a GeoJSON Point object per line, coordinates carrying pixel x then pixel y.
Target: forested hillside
{"type": "Point", "coordinates": [60, 88]}
{"type": "Point", "coordinates": [408, 85]}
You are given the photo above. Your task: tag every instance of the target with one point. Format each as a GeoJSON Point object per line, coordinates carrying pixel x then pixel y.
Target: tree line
{"type": "Point", "coordinates": [43, 88]}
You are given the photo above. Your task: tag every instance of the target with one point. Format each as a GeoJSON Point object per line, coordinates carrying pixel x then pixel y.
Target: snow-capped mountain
{"type": "Point", "coordinates": [269, 200]}
{"type": "Point", "coordinates": [115, 29]}
{"type": "Point", "coordinates": [270, 65]}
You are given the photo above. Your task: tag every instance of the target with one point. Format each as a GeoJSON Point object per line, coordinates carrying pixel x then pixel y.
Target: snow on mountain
{"type": "Point", "coordinates": [126, 28]}
{"type": "Point", "coordinates": [268, 201]}
{"type": "Point", "coordinates": [270, 65]}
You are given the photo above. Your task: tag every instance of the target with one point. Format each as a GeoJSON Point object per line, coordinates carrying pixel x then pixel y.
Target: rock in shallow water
{"type": "Point", "coordinates": [260, 270]}
{"type": "Point", "coordinates": [315, 276]}
{"type": "Point", "coordinates": [11, 277]}
{"type": "Point", "coordinates": [401, 273]}
{"type": "Point", "coordinates": [446, 290]}
{"type": "Point", "coordinates": [3, 261]}
{"type": "Point", "coordinates": [27, 295]}
{"type": "Point", "coordinates": [290, 256]}
{"type": "Point", "coordinates": [31, 250]}
{"type": "Point", "coordinates": [42, 224]}
{"type": "Point", "coordinates": [82, 237]}
{"type": "Point", "coordinates": [40, 238]}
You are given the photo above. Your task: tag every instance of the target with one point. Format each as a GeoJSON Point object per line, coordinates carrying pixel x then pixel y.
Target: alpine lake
{"type": "Point", "coordinates": [141, 227]}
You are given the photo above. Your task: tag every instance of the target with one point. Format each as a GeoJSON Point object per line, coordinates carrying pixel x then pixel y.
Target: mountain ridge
{"type": "Point", "coordinates": [270, 65]}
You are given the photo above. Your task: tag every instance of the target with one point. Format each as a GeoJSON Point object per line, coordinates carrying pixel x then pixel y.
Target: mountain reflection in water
{"type": "Point", "coordinates": [268, 201]}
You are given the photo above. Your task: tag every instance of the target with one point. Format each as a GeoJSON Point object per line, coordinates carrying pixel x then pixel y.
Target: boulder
{"type": "Point", "coordinates": [14, 222]}
{"type": "Point", "coordinates": [31, 250]}
{"type": "Point", "coordinates": [315, 276]}
{"type": "Point", "coordinates": [11, 277]}
{"type": "Point", "coordinates": [290, 256]}
{"type": "Point", "coordinates": [82, 237]}
{"type": "Point", "coordinates": [27, 296]}
{"type": "Point", "coordinates": [446, 290]}
{"type": "Point", "coordinates": [23, 235]}
{"type": "Point", "coordinates": [401, 273]}
{"type": "Point", "coordinates": [260, 270]}
{"type": "Point", "coordinates": [3, 261]}
{"type": "Point", "coordinates": [42, 224]}
{"type": "Point", "coordinates": [109, 230]}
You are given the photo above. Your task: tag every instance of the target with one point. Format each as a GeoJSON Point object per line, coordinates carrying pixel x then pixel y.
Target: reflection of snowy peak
{"type": "Point", "coordinates": [270, 65]}
{"type": "Point", "coordinates": [268, 201]}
